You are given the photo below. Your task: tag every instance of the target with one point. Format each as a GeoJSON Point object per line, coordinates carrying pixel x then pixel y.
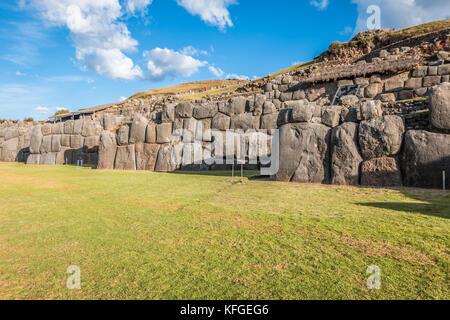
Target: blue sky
{"type": "Point", "coordinates": [79, 53]}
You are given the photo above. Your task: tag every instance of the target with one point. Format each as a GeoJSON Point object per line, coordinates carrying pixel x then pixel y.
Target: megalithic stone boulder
{"type": "Point", "coordinates": [125, 158]}
{"type": "Point", "coordinates": [138, 129]}
{"type": "Point", "coordinates": [146, 156]}
{"type": "Point", "coordinates": [36, 140]}
{"type": "Point", "coordinates": [46, 145]}
{"type": "Point", "coordinates": [107, 151]}
{"type": "Point", "coordinates": [10, 150]}
{"type": "Point", "coordinates": [304, 153]}
{"type": "Point", "coordinates": [381, 172]}
{"type": "Point", "coordinates": [48, 158]}
{"type": "Point", "coordinates": [381, 137]}
{"type": "Point", "coordinates": [68, 127]}
{"type": "Point", "coordinates": [184, 110]}
{"type": "Point", "coordinates": [345, 156]}
{"type": "Point", "coordinates": [424, 157]}
{"type": "Point", "coordinates": [205, 111]}
{"type": "Point", "coordinates": [123, 135]}
{"type": "Point", "coordinates": [440, 106]}
{"type": "Point", "coordinates": [34, 159]}
{"type": "Point", "coordinates": [56, 143]}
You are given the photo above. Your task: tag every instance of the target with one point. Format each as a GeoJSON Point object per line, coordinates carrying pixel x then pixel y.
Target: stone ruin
{"type": "Point", "coordinates": [372, 139]}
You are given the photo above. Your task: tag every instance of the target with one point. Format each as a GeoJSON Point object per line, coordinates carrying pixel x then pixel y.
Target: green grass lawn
{"type": "Point", "coordinates": [142, 235]}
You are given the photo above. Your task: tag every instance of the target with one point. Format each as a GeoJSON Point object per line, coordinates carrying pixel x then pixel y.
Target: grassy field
{"type": "Point", "coordinates": [141, 235]}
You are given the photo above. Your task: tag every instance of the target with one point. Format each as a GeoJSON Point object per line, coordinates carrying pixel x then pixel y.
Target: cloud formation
{"type": "Point", "coordinates": [213, 12]}
{"type": "Point", "coordinates": [99, 37]}
{"type": "Point", "coordinates": [216, 71]}
{"type": "Point", "coordinates": [401, 14]}
{"type": "Point", "coordinates": [136, 6]}
{"type": "Point", "coordinates": [320, 4]}
{"type": "Point", "coordinates": [163, 63]}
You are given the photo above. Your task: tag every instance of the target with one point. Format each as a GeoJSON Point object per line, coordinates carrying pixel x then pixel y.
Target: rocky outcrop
{"type": "Point", "coordinates": [107, 150]}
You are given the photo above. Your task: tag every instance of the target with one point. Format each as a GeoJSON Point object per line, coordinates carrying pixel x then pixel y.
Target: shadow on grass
{"type": "Point", "coordinates": [433, 203]}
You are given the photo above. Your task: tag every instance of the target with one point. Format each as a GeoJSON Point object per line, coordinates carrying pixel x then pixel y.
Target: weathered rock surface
{"type": "Point", "coordinates": [163, 133]}
{"type": "Point", "coordinates": [302, 111]}
{"type": "Point", "coordinates": [184, 110]}
{"type": "Point", "coordinates": [205, 111]}
{"type": "Point", "coordinates": [381, 172]}
{"type": "Point", "coordinates": [331, 116]}
{"type": "Point", "coordinates": [123, 135]}
{"type": "Point", "coordinates": [125, 158]}
{"type": "Point", "coordinates": [221, 122]}
{"type": "Point", "coordinates": [150, 134]}
{"type": "Point", "coordinates": [304, 153]}
{"type": "Point", "coordinates": [235, 106]}
{"type": "Point", "coordinates": [381, 137]}
{"type": "Point", "coordinates": [146, 156]}
{"type": "Point", "coordinates": [46, 145]}
{"type": "Point", "coordinates": [345, 157]}
{"type": "Point", "coordinates": [76, 141]}
{"type": "Point", "coordinates": [138, 129]}
{"type": "Point", "coordinates": [440, 106]}
{"type": "Point", "coordinates": [167, 159]}
{"type": "Point", "coordinates": [107, 150]}
{"type": "Point", "coordinates": [368, 110]}
{"type": "Point", "coordinates": [34, 159]}
{"type": "Point", "coordinates": [425, 156]}
{"type": "Point", "coordinates": [36, 140]}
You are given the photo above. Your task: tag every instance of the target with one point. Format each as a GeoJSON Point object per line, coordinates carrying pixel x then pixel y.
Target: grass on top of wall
{"type": "Point", "coordinates": [143, 235]}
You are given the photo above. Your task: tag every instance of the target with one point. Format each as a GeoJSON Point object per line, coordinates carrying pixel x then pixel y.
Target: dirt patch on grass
{"type": "Point", "coordinates": [36, 182]}
{"type": "Point", "coordinates": [388, 250]}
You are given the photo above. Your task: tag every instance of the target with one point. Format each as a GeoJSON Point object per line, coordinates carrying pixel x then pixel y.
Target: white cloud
{"type": "Point", "coordinates": [135, 6]}
{"type": "Point", "coordinates": [214, 12]}
{"type": "Point", "coordinates": [216, 71]}
{"type": "Point", "coordinates": [162, 63]}
{"type": "Point", "coordinates": [347, 30]}
{"type": "Point", "coordinates": [236, 76]}
{"type": "Point", "coordinates": [43, 110]}
{"type": "Point", "coordinates": [320, 4]}
{"type": "Point", "coordinates": [191, 51]}
{"type": "Point", "coordinates": [19, 74]}
{"type": "Point", "coordinates": [401, 14]}
{"type": "Point", "coordinates": [99, 37]}
{"type": "Point", "coordinates": [123, 98]}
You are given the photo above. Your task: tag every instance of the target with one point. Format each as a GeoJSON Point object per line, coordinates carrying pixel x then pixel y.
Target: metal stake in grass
{"type": "Point", "coordinates": [443, 180]}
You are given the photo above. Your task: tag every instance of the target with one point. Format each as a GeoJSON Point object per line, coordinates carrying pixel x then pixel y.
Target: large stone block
{"type": "Point", "coordinates": [414, 83]}
{"type": "Point", "coordinates": [168, 113]}
{"type": "Point", "coordinates": [269, 121]}
{"type": "Point", "coordinates": [304, 153]}
{"type": "Point", "coordinates": [150, 134]}
{"type": "Point", "coordinates": [381, 172]}
{"type": "Point", "coordinates": [146, 156]}
{"type": "Point", "coordinates": [424, 158]}
{"type": "Point", "coordinates": [56, 143]}
{"type": "Point", "coordinates": [91, 142]}
{"type": "Point", "coordinates": [48, 158]}
{"type": "Point", "coordinates": [125, 158]}
{"type": "Point", "coordinates": [68, 127]}
{"type": "Point", "coordinates": [431, 81]}
{"type": "Point", "coordinates": [206, 111]}
{"type": "Point", "coordinates": [76, 141]}
{"type": "Point", "coordinates": [36, 140]}
{"type": "Point", "coordinates": [345, 156]}
{"type": "Point", "coordinates": [234, 106]}
{"type": "Point", "coordinates": [65, 140]}
{"type": "Point", "coordinates": [167, 160]}
{"type": "Point", "coordinates": [91, 128]}
{"type": "Point", "coordinates": [302, 111]}
{"type": "Point", "coordinates": [444, 69]}
{"type": "Point", "coordinates": [163, 133]}
{"type": "Point", "coordinates": [221, 122]}
{"type": "Point", "coordinates": [368, 110]}
{"type": "Point", "coordinates": [372, 90]}
{"type": "Point", "coordinates": [78, 126]}
{"type": "Point", "coordinates": [46, 145]}
{"type": "Point", "coordinates": [331, 116]}
{"type": "Point", "coordinates": [107, 150]}
{"type": "Point", "coordinates": [57, 128]}
{"type": "Point", "coordinates": [440, 106]}
{"type": "Point", "coordinates": [46, 129]}
{"type": "Point", "coordinates": [138, 129]}
{"type": "Point", "coordinates": [184, 110]}
{"type": "Point", "coordinates": [34, 159]}
{"type": "Point", "coordinates": [123, 135]}
{"type": "Point", "coordinates": [244, 122]}
{"type": "Point", "coordinates": [381, 137]}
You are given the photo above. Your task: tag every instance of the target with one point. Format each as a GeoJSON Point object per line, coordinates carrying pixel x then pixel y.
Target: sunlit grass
{"type": "Point", "coordinates": [142, 235]}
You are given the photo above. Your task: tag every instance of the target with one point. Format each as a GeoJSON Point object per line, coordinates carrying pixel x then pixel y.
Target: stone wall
{"type": "Point", "coordinates": [356, 144]}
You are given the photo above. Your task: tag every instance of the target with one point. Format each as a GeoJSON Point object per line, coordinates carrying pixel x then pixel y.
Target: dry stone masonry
{"type": "Point", "coordinates": [369, 138]}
